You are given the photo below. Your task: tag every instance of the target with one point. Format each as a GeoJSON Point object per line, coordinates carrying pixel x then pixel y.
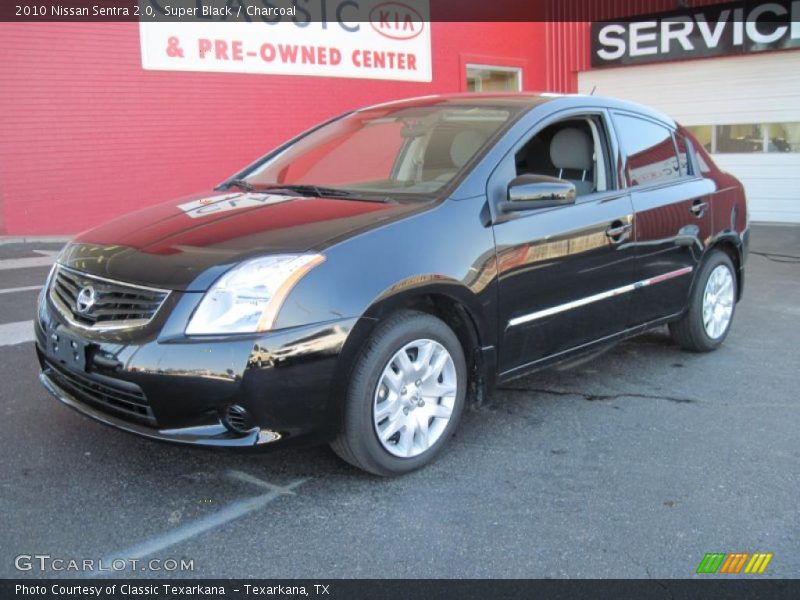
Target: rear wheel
{"type": "Point", "coordinates": [711, 306]}
{"type": "Point", "coordinates": [405, 397]}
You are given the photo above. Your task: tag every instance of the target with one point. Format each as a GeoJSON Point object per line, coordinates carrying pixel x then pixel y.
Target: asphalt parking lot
{"type": "Point", "coordinates": [633, 464]}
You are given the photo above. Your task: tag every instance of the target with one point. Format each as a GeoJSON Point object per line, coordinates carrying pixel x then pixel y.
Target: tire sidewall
{"type": "Point", "coordinates": [361, 392]}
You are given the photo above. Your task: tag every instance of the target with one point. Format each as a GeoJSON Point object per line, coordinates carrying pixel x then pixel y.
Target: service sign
{"type": "Point", "coordinates": [367, 39]}
{"type": "Point", "coordinates": [722, 29]}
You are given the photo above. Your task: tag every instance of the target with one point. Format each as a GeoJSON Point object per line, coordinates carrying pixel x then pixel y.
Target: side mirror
{"type": "Point", "coordinates": [529, 192]}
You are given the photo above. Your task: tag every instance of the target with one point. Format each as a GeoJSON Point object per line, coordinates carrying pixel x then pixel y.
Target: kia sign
{"type": "Point", "coordinates": [365, 39]}
{"type": "Point", "coordinates": [731, 28]}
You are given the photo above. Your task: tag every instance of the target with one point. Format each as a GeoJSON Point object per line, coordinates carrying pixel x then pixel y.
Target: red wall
{"type": "Point", "coordinates": [87, 134]}
{"type": "Point", "coordinates": [567, 32]}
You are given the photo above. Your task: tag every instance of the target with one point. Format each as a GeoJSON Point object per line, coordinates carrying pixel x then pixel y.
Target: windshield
{"type": "Point", "coordinates": [397, 150]}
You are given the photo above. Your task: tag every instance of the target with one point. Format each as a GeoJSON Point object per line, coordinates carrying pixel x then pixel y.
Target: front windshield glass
{"type": "Point", "coordinates": [395, 150]}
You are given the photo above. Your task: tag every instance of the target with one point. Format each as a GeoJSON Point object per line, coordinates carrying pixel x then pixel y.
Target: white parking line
{"type": "Point", "coordinates": [27, 288]}
{"type": "Point", "coordinates": [16, 333]}
{"type": "Point", "coordinates": [231, 512]}
{"type": "Point", "coordinates": [247, 478]}
{"type": "Point", "coordinates": [30, 262]}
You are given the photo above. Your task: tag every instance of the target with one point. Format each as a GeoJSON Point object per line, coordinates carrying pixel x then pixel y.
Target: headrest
{"type": "Point", "coordinates": [465, 145]}
{"type": "Point", "coordinates": [571, 149]}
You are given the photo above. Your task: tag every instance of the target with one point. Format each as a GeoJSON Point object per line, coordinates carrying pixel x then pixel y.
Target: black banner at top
{"type": "Point", "coordinates": [307, 11]}
{"type": "Point", "coordinates": [722, 29]}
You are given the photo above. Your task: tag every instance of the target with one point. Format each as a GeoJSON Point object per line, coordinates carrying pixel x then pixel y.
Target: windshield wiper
{"type": "Point", "coordinates": [308, 190]}
{"type": "Point", "coordinates": [318, 191]}
{"type": "Point", "coordinates": [242, 185]}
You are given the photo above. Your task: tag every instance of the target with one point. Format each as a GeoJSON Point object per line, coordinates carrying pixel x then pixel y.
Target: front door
{"type": "Point", "coordinates": [564, 273]}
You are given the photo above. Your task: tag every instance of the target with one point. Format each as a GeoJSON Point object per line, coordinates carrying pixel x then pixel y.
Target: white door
{"type": "Point", "coordinates": [745, 109]}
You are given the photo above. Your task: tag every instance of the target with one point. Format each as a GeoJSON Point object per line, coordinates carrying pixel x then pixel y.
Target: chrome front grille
{"type": "Point", "coordinates": [95, 303]}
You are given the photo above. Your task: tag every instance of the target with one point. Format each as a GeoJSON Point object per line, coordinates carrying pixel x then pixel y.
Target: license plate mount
{"type": "Point", "coordinates": [67, 350]}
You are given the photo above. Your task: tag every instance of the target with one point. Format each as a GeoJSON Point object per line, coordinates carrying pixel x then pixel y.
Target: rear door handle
{"type": "Point", "coordinates": [698, 208]}
{"type": "Point", "coordinates": [616, 231]}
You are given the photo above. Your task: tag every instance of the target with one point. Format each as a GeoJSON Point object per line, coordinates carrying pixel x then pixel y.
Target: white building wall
{"type": "Point", "coordinates": [761, 88]}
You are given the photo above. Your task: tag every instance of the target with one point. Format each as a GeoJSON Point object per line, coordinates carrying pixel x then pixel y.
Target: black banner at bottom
{"type": "Point", "coordinates": [400, 589]}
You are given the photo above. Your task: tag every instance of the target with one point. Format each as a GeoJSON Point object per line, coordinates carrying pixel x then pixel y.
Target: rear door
{"type": "Point", "coordinates": [672, 214]}
{"type": "Point", "coordinates": [563, 272]}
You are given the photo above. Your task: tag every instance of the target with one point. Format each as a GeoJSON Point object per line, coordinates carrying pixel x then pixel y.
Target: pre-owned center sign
{"type": "Point", "coordinates": [370, 39]}
{"type": "Point", "coordinates": [722, 29]}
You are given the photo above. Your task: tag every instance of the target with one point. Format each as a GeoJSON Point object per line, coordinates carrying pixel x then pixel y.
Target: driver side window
{"type": "Point", "coordinates": [574, 149]}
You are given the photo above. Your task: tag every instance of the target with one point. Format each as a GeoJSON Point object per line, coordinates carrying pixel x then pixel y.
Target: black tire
{"type": "Point", "coordinates": [689, 331]}
{"type": "Point", "coordinates": [358, 443]}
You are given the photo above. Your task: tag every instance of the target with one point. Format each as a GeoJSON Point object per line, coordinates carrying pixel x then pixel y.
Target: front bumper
{"type": "Point", "coordinates": [179, 389]}
{"type": "Point", "coordinates": [214, 433]}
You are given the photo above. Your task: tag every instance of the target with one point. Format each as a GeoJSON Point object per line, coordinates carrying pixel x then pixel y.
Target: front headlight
{"type": "Point", "coordinates": [248, 297]}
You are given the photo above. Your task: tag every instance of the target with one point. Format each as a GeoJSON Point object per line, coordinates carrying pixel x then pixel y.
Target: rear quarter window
{"type": "Point", "coordinates": [684, 155]}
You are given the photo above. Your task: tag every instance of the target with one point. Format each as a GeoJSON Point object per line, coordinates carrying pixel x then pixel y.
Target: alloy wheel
{"type": "Point", "coordinates": [718, 302]}
{"type": "Point", "coordinates": [414, 398]}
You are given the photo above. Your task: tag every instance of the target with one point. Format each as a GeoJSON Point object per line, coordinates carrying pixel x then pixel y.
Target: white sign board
{"type": "Point", "coordinates": [370, 39]}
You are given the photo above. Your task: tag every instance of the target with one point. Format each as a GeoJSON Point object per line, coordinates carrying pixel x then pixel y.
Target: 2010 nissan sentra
{"type": "Point", "coordinates": [362, 283]}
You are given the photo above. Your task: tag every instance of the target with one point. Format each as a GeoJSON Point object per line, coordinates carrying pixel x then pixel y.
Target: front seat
{"type": "Point", "coordinates": [572, 150]}
{"type": "Point", "coordinates": [465, 145]}
{"type": "Point", "coordinates": [446, 154]}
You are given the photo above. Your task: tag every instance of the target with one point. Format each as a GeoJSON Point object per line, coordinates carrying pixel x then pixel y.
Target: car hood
{"type": "Point", "coordinates": [186, 244]}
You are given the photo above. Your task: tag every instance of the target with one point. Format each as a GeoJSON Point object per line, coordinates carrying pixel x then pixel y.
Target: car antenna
{"type": "Point", "coordinates": [592, 92]}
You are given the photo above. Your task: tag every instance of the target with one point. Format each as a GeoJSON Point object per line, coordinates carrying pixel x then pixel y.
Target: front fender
{"type": "Point", "coordinates": [446, 250]}
{"type": "Point", "coordinates": [435, 286]}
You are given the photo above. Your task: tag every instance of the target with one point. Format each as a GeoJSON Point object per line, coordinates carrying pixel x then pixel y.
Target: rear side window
{"type": "Point", "coordinates": [651, 151]}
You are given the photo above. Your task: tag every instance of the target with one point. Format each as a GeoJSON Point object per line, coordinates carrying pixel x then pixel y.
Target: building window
{"type": "Point", "coordinates": [783, 137]}
{"type": "Point", "coordinates": [485, 78]}
{"type": "Point", "coordinates": [704, 135]}
{"type": "Point", "coordinates": [739, 139]}
{"type": "Point", "coordinates": [748, 138]}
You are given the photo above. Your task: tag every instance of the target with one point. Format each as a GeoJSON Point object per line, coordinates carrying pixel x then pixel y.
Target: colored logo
{"type": "Point", "coordinates": [396, 21]}
{"type": "Point", "coordinates": [731, 564]}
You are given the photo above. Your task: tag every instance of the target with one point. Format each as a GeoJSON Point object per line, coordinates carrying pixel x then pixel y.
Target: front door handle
{"type": "Point", "coordinates": [616, 231]}
{"type": "Point", "coordinates": [698, 208]}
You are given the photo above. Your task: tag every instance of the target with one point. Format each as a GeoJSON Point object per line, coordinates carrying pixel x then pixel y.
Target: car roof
{"type": "Point", "coordinates": [525, 101]}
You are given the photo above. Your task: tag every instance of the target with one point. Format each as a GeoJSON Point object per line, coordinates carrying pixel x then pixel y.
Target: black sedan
{"type": "Point", "coordinates": [362, 283]}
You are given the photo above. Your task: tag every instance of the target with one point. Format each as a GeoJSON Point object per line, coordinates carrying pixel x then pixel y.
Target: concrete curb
{"type": "Point", "coordinates": [35, 239]}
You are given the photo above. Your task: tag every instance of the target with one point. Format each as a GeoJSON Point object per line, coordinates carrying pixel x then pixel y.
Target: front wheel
{"type": "Point", "coordinates": [711, 306]}
{"type": "Point", "coordinates": [405, 397]}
